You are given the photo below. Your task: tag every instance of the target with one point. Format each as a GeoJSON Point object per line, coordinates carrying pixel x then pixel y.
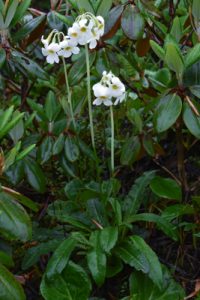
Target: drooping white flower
{"type": "Point", "coordinates": [120, 99]}
{"type": "Point", "coordinates": [74, 33]}
{"type": "Point", "coordinates": [68, 47]}
{"type": "Point", "coordinates": [45, 41]}
{"type": "Point", "coordinates": [51, 52]}
{"type": "Point", "coordinates": [100, 25]}
{"type": "Point", "coordinates": [102, 95]}
{"type": "Point", "coordinates": [116, 87]}
{"type": "Point", "coordinates": [85, 31]}
{"type": "Point", "coordinates": [109, 88]}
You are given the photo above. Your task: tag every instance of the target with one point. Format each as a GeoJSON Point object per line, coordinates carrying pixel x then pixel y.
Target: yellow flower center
{"type": "Point", "coordinates": [103, 97]}
{"type": "Point", "coordinates": [115, 87]}
{"type": "Point", "coordinates": [68, 48]}
{"type": "Point", "coordinates": [83, 29]}
{"type": "Point", "coordinates": [51, 51]}
{"type": "Point", "coordinates": [74, 34]}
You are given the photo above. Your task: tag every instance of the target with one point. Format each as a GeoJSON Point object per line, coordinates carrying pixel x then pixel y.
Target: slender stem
{"type": "Point", "coordinates": [69, 94]}
{"type": "Point", "coordinates": [112, 140]}
{"type": "Point", "coordinates": [89, 96]}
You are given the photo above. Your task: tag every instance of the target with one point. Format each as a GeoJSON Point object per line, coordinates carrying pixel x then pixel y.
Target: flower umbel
{"type": "Point", "coordinates": [110, 87]}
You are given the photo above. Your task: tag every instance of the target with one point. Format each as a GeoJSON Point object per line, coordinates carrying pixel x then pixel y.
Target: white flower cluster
{"type": "Point", "coordinates": [108, 88]}
{"type": "Point", "coordinates": [87, 29]}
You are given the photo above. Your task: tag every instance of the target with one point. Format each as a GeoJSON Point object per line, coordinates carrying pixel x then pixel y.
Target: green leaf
{"type": "Point", "coordinates": [5, 116]}
{"type": "Point", "coordinates": [22, 8]}
{"type": "Point", "coordinates": [25, 152]}
{"type": "Point", "coordinates": [26, 65]}
{"type": "Point", "coordinates": [174, 60]}
{"type": "Point", "coordinates": [15, 223]}
{"type": "Point", "coordinates": [130, 151]}
{"type": "Point", "coordinates": [32, 255]}
{"type": "Point", "coordinates": [9, 125]}
{"type": "Point", "coordinates": [2, 57]}
{"type": "Point", "coordinates": [28, 28]}
{"type": "Point", "coordinates": [157, 49]}
{"type": "Point", "coordinates": [112, 19]}
{"type": "Point", "coordinates": [196, 9]}
{"type": "Point", "coordinates": [191, 121]}
{"type": "Point", "coordinates": [25, 201]}
{"type": "Point", "coordinates": [35, 175]}
{"type": "Point", "coordinates": [177, 30]}
{"type": "Point", "coordinates": [132, 22]}
{"type": "Point", "coordinates": [52, 107]}
{"type": "Point", "coordinates": [65, 19]}
{"type": "Point", "coordinates": [108, 238]}
{"type": "Point", "coordinates": [16, 133]}
{"type": "Point", "coordinates": [78, 69]}
{"type": "Point", "coordinates": [139, 255]}
{"type": "Point", "coordinates": [135, 196]}
{"type": "Point", "coordinates": [71, 149]}
{"type": "Point", "coordinates": [162, 223]}
{"type": "Point", "coordinates": [58, 145]}
{"type": "Point", "coordinates": [10, 289]}
{"type": "Point", "coordinates": [96, 260]}
{"type": "Point", "coordinates": [142, 288]}
{"type": "Point", "coordinates": [104, 7]}
{"type": "Point", "coordinates": [193, 56]}
{"type": "Point", "coordinates": [60, 257]}
{"type": "Point", "coordinates": [6, 259]}
{"type": "Point", "coordinates": [72, 284]}
{"type": "Point", "coordinates": [11, 12]}
{"type": "Point", "coordinates": [167, 112]}
{"type": "Point", "coordinates": [45, 149]}
{"type": "Point", "coordinates": [85, 6]}
{"type": "Point", "coordinates": [166, 188]}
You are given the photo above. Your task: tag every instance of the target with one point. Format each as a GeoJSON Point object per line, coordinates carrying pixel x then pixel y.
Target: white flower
{"type": "Point", "coordinates": [102, 95]}
{"type": "Point", "coordinates": [68, 47]}
{"type": "Point", "coordinates": [107, 77]}
{"type": "Point", "coordinates": [116, 88]}
{"type": "Point", "coordinates": [120, 99]}
{"type": "Point", "coordinates": [73, 32]}
{"type": "Point", "coordinates": [51, 52]}
{"type": "Point", "coordinates": [85, 33]}
{"type": "Point", "coordinates": [45, 41]}
{"type": "Point", "coordinates": [101, 25]}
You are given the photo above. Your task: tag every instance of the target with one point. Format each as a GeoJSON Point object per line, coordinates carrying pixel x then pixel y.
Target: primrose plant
{"type": "Point", "coordinates": [110, 90]}
{"type": "Point", "coordinates": [86, 30]}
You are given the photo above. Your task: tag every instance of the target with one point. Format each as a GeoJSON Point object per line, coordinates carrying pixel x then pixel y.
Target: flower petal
{"type": "Point", "coordinates": [97, 101]}
{"type": "Point", "coordinates": [107, 102]}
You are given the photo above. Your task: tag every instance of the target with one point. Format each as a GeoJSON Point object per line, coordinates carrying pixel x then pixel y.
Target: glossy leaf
{"type": "Point", "coordinates": [73, 283]}
{"type": "Point", "coordinates": [28, 28]}
{"type": "Point", "coordinates": [142, 288]}
{"type": "Point", "coordinates": [96, 260]}
{"type": "Point", "coordinates": [136, 194]}
{"type": "Point", "coordinates": [167, 112]}
{"type": "Point", "coordinates": [132, 22]}
{"type": "Point", "coordinates": [191, 121]}
{"type": "Point", "coordinates": [9, 286]}
{"type": "Point", "coordinates": [166, 188]}
{"type": "Point", "coordinates": [104, 8]}
{"type": "Point", "coordinates": [15, 223]}
{"type": "Point", "coordinates": [71, 149]}
{"type": "Point", "coordinates": [35, 176]}
{"type": "Point", "coordinates": [11, 12]}
{"type": "Point", "coordinates": [85, 5]}
{"type": "Point", "coordinates": [108, 238]}
{"type": "Point", "coordinates": [60, 257]}
{"type": "Point", "coordinates": [139, 255]}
